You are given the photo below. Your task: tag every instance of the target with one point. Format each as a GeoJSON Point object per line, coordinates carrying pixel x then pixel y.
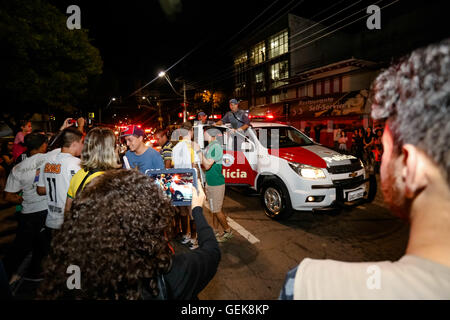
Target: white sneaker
{"type": "Point", "coordinates": [226, 236]}
{"type": "Point", "coordinates": [193, 244]}
{"type": "Point", "coordinates": [185, 239]}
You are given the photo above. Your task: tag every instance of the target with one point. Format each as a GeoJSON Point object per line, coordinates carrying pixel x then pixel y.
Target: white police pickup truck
{"type": "Point", "coordinates": [288, 169]}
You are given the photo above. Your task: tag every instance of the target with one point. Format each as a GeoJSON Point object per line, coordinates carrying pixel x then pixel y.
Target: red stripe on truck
{"type": "Point", "coordinates": [299, 155]}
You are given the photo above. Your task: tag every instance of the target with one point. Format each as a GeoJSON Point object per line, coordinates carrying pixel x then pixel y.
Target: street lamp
{"type": "Point", "coordinates": [100, 109]}
{"type": "Point", "coordinates": [163, 74]}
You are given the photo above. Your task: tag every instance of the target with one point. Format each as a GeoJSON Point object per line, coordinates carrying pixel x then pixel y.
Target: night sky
{"type": "Point", "coordinates": [137, 39]}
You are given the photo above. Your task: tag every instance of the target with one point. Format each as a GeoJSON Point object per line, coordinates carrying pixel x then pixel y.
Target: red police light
{"type": "Point", "coordinates": [270, 116]}
{"type": "Point", "coordinates": [139, 126]}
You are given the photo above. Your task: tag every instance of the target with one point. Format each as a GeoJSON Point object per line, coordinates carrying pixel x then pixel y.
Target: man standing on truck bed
{"type": "Point", "coordinates": [238, 118]}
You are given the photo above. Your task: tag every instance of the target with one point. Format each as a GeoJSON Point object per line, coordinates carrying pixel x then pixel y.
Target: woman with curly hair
{"type": "Point", "coordinates": [115, 233]}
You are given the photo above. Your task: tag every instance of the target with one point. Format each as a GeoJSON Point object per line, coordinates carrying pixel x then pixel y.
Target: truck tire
{"type": "Point", "coordinates": [178, 196]}
{"type": "Point", "coordinates": [275, 200]}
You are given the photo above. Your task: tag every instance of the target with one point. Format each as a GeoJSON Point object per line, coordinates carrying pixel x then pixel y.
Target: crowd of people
{"type": "Point", "coordinates": [82, 204]}
{"type": "Point", "coordinates": [48, 184]}
{"type": "Point", "coordinates": [365, 144]}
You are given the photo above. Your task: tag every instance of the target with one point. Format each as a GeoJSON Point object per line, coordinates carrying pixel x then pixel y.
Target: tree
{"type": "Point", "coordinates": [44, 64]}
{"type": "Point", "coordinates": [211, 99]}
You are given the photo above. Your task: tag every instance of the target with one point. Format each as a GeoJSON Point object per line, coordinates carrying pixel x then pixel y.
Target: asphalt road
{"type": "Point", "coordinates": [255, 261]}
{"type": "Point", "coordinates": [257, 270]}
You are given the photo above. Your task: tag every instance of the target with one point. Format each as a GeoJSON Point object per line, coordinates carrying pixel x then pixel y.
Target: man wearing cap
{"type": "Point", "coordinates": [140, 156]}
{"type": "Point", "coordinates": [238, 118]}
{"type": "Point", "coordinates": [203, 118]}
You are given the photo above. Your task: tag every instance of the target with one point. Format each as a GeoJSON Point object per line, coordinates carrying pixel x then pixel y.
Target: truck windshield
{"type": "Point", "coordinates": [281, 137]}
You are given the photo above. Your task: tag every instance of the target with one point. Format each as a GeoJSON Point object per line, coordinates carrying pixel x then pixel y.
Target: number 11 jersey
{"type": "Point", "coordinates": [55, 176]}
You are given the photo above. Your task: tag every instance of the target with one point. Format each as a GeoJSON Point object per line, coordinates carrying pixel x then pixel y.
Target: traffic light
{"type": "Point", "coordinates": [180, 115]}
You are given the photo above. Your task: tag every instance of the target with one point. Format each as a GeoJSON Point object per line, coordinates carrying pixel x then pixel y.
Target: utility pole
{"type": "Point", "coordinates": [184, 100]}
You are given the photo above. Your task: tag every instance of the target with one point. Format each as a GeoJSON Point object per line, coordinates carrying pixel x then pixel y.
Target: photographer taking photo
{"type": "Point", "coordinates": [120, 245]}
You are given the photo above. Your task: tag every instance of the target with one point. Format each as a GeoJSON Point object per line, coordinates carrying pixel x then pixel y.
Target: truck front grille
{"type": "Point", "coordinates": [346, 168]}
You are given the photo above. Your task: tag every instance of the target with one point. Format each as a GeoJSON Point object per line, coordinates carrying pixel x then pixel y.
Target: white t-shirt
{"type": "Point", "coordinates": [409, 278]}
{"type": "Point", "coordinates": [55, 176]}
{"type": "Point", "coordinates": [24, 177]}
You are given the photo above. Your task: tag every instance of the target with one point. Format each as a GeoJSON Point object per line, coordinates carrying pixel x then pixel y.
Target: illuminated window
{"type": "Point", "coordinates": [278, 44]}
{"type": "Point", "coordinates": [279, 71]}
{"type": "Point", "coordinates": [275, 98]}
{"type": "Point", "coordinates": [260, 83]}
{"type": "Point", "coordinates": [240, 59]}
{"type": "Point", "coordinates": [240, 68]}
{"type": "Point", "coordinates": [258, 54]}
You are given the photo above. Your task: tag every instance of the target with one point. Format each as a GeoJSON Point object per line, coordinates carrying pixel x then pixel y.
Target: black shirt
{"type": "Point", "coordinates": [368, 138]}
{"type": "Point", "coordinates": [192, 271]}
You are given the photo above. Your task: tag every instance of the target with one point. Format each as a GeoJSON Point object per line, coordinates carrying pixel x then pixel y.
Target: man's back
{"type": "Point", "coordinates": [411, 277]}
{"type": "Point", "coordinates": [24, 176]}
{"type": "Point", "coordinates": [56, 174]}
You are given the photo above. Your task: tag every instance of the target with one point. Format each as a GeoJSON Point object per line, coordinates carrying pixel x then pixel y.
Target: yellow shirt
{"type": "Point", "coordinates": [78, 178]}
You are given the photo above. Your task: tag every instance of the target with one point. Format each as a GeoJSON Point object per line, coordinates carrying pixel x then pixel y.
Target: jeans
{"type": "Point", "coordinates": [27, 239]}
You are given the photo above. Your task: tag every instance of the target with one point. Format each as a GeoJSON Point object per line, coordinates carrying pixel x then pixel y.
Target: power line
{"type": "Point", "coordinates": [232, 73]}
{"type": "Point", "coordinates": [259, 15]}
{"type": "Point", "coordinates": [167, 70]}
{"type": "Point", "coordinates": [156, 78]}
{"type": "Point", "coordinates": [337, 29]}
{"type": "Point", "coordinates": [322, 30]}
{"type": "Point", "coordinates": [317, 23]}
{"type": "Point", "coordinates": [260, 29]}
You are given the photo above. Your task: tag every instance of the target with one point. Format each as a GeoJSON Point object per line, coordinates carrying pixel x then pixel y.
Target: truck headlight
{"type": "Point", "coordinates": [307, 171]}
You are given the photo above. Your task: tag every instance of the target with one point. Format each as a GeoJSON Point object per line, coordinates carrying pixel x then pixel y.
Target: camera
{"type": "Point", "coordinates": [73, 121]}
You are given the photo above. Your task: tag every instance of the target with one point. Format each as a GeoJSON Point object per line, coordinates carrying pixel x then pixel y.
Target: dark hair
{"type": "Point", "coordinates": [116, 234]}
{"type": "Point", "coordinates": [23, 122]}
{"type": "Point", "coordinates": [34, 141]}
{"type": "Point", "coordinates": [186, 125]}
{"type": "Point", "coordinates": [414, 95]}
{"type": "Point", "coordinates": [70, 135]}
{"type": "Point", "coordinates": [4, 148]}
{"type": "Point", "coordinates": [161, 132]}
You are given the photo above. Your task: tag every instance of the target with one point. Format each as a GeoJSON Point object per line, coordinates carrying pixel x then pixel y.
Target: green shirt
{"type": "Point", "coordinates": [214, 176]}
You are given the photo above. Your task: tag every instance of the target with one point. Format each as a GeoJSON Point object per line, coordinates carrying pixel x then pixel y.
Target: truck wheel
{"type": "Point", "coordinates": [178, 196]}
{"type": "Point", "coordinates": [275, 200]}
